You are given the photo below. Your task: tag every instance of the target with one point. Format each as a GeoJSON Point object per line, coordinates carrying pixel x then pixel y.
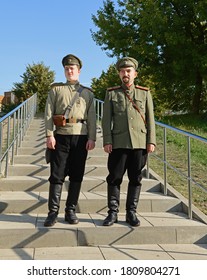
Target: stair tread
{"type": "Point", "coordinates": [93, 220]}
{"type": "Point", "coordinates": [32, 195]}
{"type": "Point", "coordinates": [86, 177]}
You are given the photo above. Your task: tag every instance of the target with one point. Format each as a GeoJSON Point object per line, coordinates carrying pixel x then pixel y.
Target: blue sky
{"type": "Point", "coordinates": [34, 31]}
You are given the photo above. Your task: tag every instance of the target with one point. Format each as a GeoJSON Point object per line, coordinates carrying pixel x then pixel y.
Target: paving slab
{"type": "Point", "coordinates": [186, 251]}
{"type": "Point", "coordinates": [134, 252]}
{"type": "Point", "coordinates": [105, 252]}
{"type": "Point", "coordinates": [17, 254]}
{"type": "Point", "coordinates": [69, 253]}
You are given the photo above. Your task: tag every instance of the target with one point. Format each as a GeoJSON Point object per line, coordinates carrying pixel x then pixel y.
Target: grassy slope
{"type": "Point", "coordinates": [177, 156]}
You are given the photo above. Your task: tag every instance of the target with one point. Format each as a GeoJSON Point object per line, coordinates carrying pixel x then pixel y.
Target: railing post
{"type": "Point", "coordinates": [189, 181]}
{"type": "Point", "coordinates": [18, 132]}
{"type": "Point", "coordinates": [165, 160]}
{"type": "Point", "coordinates": [21, 127]}
{"type": "Point", "coordinates": [1, 145]}
{"type": "Point", "coordinates": [147, 171]}
{"type": "Point", "coordinates": [98, 111]}
{"type": "Point", "coordinates": [8, 142]}
{"type": "Point", "coordinates": [24, 121]}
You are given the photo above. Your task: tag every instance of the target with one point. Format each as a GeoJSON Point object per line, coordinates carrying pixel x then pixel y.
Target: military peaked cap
{"type": "Point", "coordinates": [127, 62]}
{"type": "Point", "coordinates": [71, 59]}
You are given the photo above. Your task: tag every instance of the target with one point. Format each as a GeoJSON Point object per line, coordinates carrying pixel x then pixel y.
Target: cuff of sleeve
{"type": "Point", "coordinates": [49, 133]}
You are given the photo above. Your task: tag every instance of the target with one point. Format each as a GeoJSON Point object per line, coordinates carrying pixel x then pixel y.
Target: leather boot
{"type": "Point", "coordinates": [131, 205]}
{"type": "Point", "coordinates": [113, 194]}
{"type": "Point", "coordinates": [71, 203]}
{"type": "Point", "coordinates": [55, 191]}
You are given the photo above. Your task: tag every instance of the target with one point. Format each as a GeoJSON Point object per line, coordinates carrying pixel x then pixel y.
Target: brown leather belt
{"type": "Point", "coordinates": [74, 120]}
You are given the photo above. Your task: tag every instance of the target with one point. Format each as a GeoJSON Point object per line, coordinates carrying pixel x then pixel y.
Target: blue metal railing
{"type": "Point", "coordinates": [13, 127]}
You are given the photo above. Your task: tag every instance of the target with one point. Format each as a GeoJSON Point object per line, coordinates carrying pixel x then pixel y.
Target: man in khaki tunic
{"type": "Point", "coordinates": [71, 106]}
{"type": "Point", "coordinates": [128, 136]}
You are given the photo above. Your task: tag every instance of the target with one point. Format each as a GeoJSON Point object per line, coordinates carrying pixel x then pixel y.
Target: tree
{"type": "Point", "coordinates": [107, 79]}
{"type": "Point", "coordinates": [111, 78]}
{"type": "Point", "coordinates": [36, 79]}
{"type": "Point", "coordinates": [169, 39]}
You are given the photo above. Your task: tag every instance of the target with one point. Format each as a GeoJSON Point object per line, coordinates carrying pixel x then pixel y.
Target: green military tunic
{"type": "Point", "coordinates": [122, 124]}
{"type": "Point", "coordinates": [59, 98]}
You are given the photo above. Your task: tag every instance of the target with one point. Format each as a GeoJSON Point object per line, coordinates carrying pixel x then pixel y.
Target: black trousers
{"type": "Point", "coordinates": [68, 158]}
{"type": "Point", "coordinates": [122, 160]}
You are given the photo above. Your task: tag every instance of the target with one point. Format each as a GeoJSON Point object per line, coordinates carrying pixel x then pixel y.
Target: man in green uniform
{"type": "Point", "coordinates": [128, 136]}
{"type": "Point", "coordinates": [71, 107]}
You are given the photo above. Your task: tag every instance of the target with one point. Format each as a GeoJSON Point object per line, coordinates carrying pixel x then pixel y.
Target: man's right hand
{"type": "Point", "coordinates": [51, 142]}
{"type": "Point", "coordinates": [108, 148]}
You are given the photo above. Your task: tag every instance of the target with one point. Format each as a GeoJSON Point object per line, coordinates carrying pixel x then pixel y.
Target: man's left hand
{"type": "Point", "coordinates": [90, 145]}
{"type": "Point", "coordinates": [150, 148]}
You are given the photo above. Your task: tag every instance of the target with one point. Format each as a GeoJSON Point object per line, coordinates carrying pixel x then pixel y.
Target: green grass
{"type": "Point", "coordinates": [191, 123]}
{"type": "Point", "coordinates": [177, 156]}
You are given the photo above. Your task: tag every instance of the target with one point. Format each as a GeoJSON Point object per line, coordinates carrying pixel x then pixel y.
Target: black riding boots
{"type": "Point", "coordinates": [113, 195]}
{"type": "Point", "coordinates": [54, 203]}
{"type": "Point", "coordinates": [133, 194]}
{"type": "Point", "coordinates": [71, 203]}
{"type": "Point", "coordinates": [55, 191]}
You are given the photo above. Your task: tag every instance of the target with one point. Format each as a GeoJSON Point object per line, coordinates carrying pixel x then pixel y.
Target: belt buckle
{"type": "Point", "coordinates": [72, 120]}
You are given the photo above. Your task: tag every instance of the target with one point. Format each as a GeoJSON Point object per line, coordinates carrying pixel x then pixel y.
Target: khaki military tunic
{"type": "Point", "coordinates": [59, 98]}
{"type": "Point", "coordinates": [122, 124]}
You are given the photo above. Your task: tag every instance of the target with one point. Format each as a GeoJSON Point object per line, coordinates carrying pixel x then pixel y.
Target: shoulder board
{"type": "Point", "coordinates": [57, 84]}
{"type": "Point", "coordinates": [86, 87]}
{"type": "Point", "coordinates": [113, 88]}
{"type": "Point", "coordinates": [143, 88]}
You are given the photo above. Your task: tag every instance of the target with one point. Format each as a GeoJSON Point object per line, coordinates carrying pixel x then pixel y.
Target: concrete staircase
{"type": "Point", "coordinates": [165, 231]}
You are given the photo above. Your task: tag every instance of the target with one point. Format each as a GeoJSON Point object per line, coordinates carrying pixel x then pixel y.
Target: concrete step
{"type": "Point", "coordinates": [89, 202]}
{"type": "Point", "coordinates": [40, 159]}
{"type": "Point", "coordinates": [90, 184]}
{"type": "Point", "coordinates": [26, 231]}
{"type": "Point", "coordinates": [40, 151]}
{"type": "Point", "coordinates": [43, 170]}
{"type": "Point", "coordinates": [29, 159]}
{"type": "Point", "coordinates": [34, 143]}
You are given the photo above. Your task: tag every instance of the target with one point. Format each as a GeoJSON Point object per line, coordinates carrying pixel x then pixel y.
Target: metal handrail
{"type": "Point", "coordinates": [13, 127]}
{"type": "Point", "coordinates": [166, 163]}
{"type": "Point", "coordinates": [190, 181]}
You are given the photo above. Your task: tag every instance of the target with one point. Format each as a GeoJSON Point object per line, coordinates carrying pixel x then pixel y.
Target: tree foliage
{"type": "Point", "coordinates": [107, 79]}
{"type": "Point", "coordinates": [6, 108]}
{"type": "Point", "coordinates": [168, 38]}
{"type": "Point", "coordinates": [36, 79]}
